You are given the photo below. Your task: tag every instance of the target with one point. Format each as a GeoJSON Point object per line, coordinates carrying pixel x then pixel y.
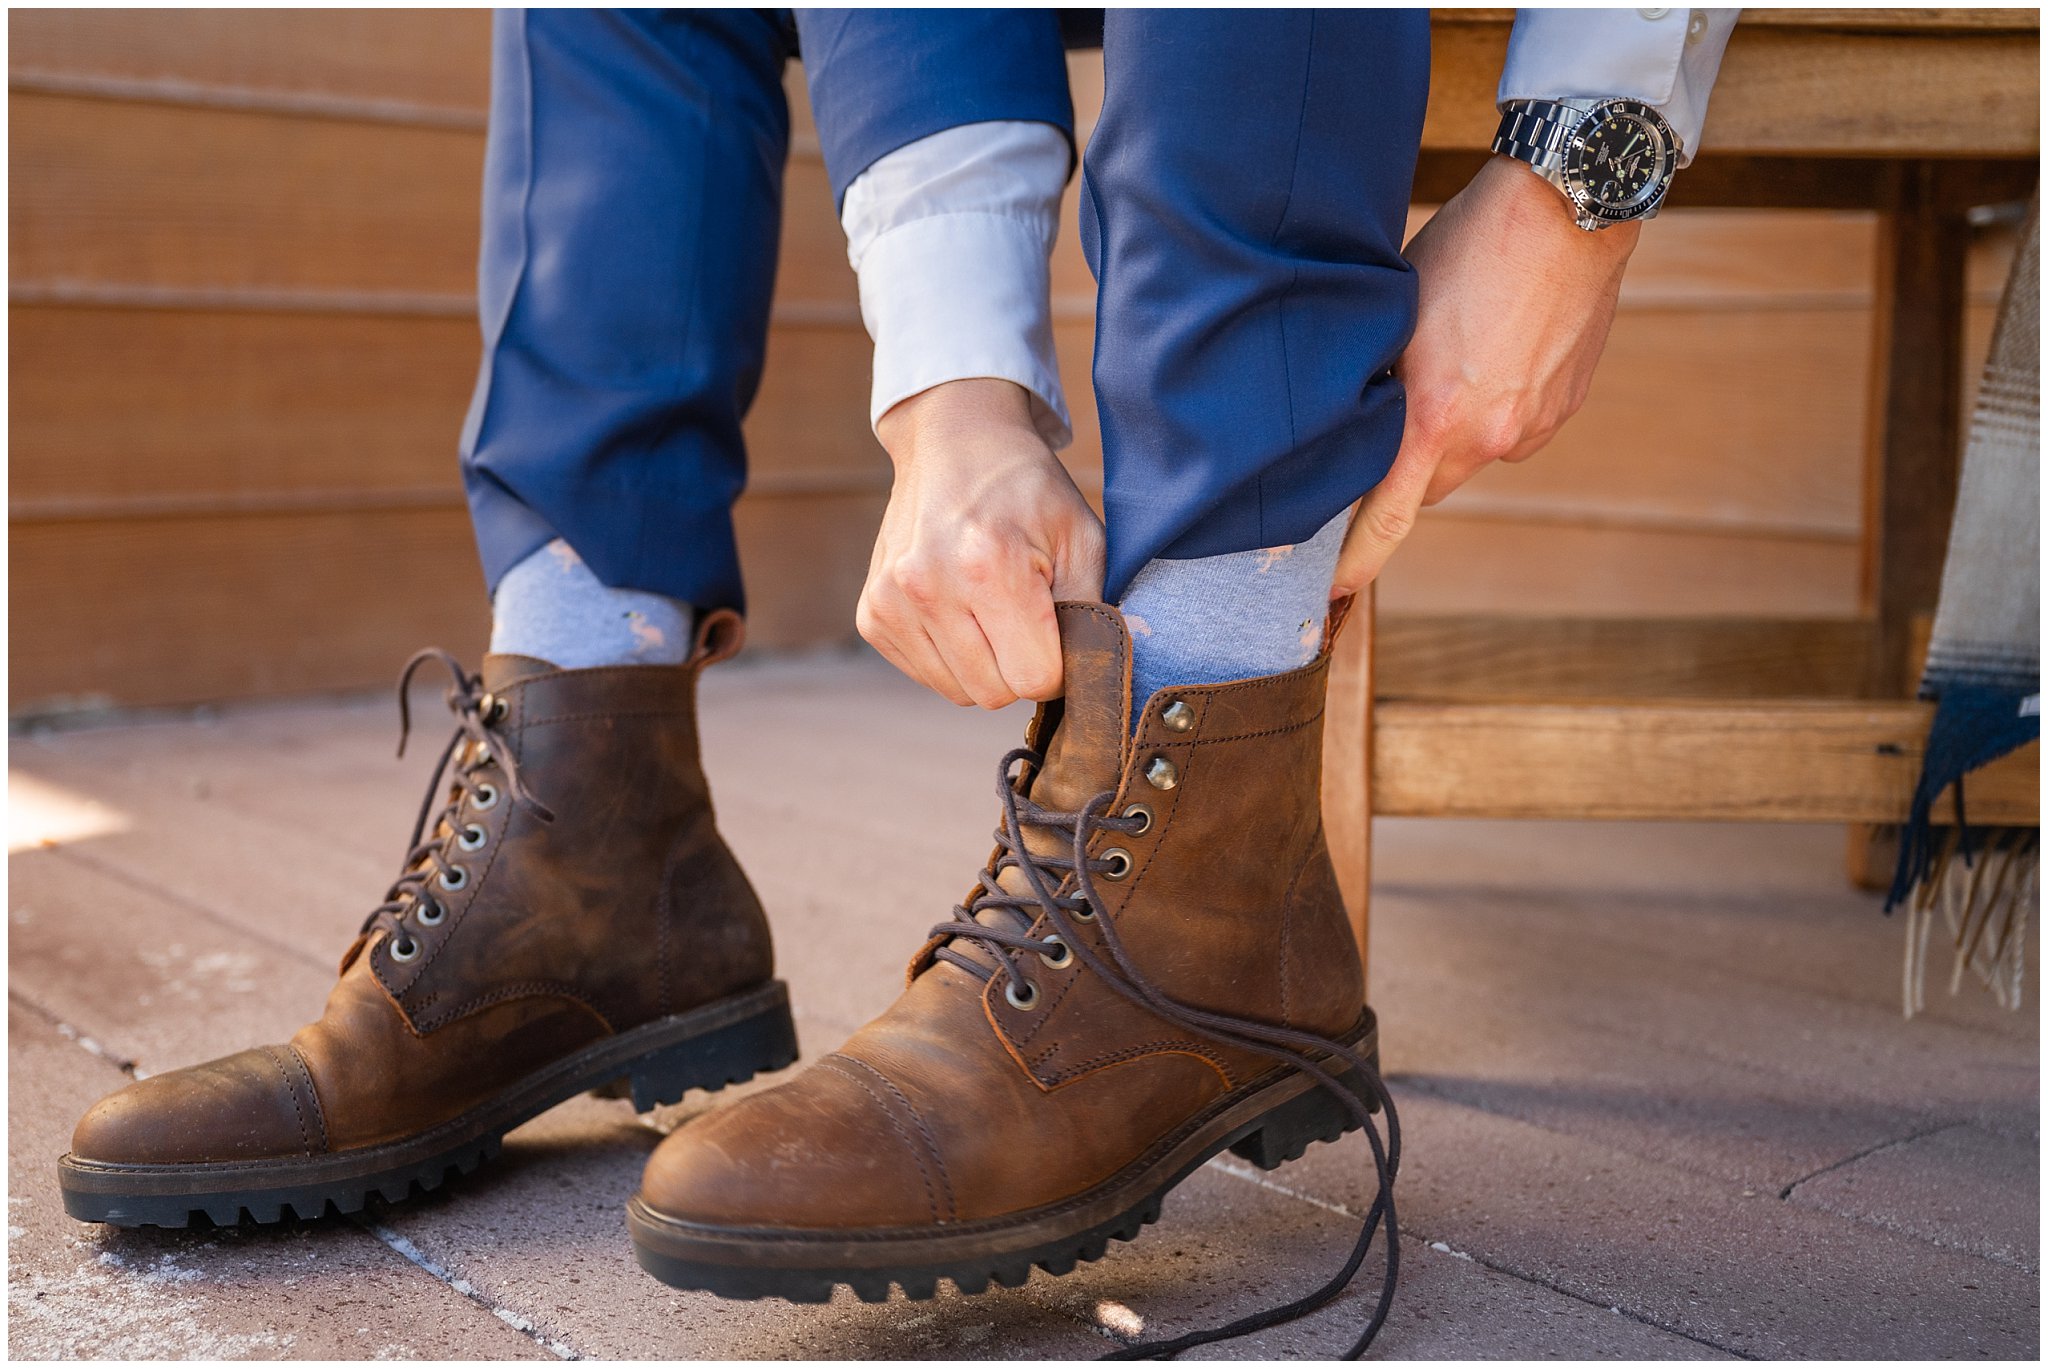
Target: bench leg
{"type": "Point", "coordinates": [1347, 766]}
{"type": "Point", "coordinates": [1914, 446]}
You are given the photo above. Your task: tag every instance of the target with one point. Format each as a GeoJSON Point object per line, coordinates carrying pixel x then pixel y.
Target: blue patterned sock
{"type": "Point", "coordinates": [1234, 617]}
{"type": "Point", "coordinates": [551, 606]}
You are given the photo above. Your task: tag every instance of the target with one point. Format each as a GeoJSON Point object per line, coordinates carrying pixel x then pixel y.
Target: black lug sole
{"type": "Point", "coordinates": [747, 1266]}
{"type": "Point", "coordinates": [723, 1043]}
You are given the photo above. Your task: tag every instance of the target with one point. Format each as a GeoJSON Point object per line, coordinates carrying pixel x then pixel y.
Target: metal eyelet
{"type": "Point", "coordinates": [1066, 956]}
{"type": "Point", "coordinates": [483, 798]}
{"type": "Point", "coordinates": [454, 877]}
{"type": "Point", "coordinates": [1119, 862]}
{"type": "Point", "coordinates": [481, 756]}
{"type": "Point", "coordinates": [1160, 773]}
{"type": "Point", "coordinates": [1144, 816]}
{"type": "Point", "coordinates": [405, 950]}
{"type": "Point", "coordinates": [1023, 1002]}
{"type": "Point", "coordinates": [493, 708]}
{"type": "Point", "coordinates": [473, 838]}
{"type": "Point", "coordinates": [429, 914]}
{"type": "Point", "coordinates": [1084, 913]}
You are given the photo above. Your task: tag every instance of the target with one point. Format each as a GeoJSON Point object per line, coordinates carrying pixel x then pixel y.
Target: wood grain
{"type": "Point", "coordinates": [428, 57]}
{"type": "Point", "coordinates": [142, 194]}
{"type": "Point", "coordinates": [1733, 761]}
{"type": "Point", "coordinates": [183, 610]}
{"type": "Point", "coordinates": [1456, 563]}
{"type": "Point", "coordinates": [1806, 91]}
{"type": "Point", "coordinates": [135, 403]}
{"type": "Point", "coordinates": [1499, 657]}
{"type": "Point", "coordinates": [1347, 761]}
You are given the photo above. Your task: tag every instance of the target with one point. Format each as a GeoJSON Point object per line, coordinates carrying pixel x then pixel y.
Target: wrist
{"type": "Point", "coordinates": [954, 410]}
{"type": "Point", "coordinates": [1538, 208]}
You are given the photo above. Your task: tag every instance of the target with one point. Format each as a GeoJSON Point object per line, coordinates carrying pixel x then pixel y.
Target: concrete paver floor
{"type": "Point", "coordinates": [1658, 1098]}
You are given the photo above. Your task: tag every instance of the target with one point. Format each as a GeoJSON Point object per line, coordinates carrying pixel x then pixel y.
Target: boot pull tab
{"type": "Point", "coordinates": [1334, 620]}
{"type": "Point", "coordinates": [720, 635]}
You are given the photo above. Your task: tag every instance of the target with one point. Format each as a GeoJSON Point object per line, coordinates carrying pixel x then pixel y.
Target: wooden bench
{"type": "Point", "coordinates": [1918, 114]}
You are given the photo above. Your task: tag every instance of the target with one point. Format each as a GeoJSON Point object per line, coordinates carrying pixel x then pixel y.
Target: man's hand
{"type": "Point", "coordinates": [1515, 303]}
{"type": "Point", "coordinates": [984, 530]}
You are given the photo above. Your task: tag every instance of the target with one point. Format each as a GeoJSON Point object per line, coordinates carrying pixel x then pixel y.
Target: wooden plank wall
{"type": "Point", "coordinates": [241, 293]}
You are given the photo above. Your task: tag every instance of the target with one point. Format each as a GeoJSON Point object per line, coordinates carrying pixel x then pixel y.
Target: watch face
{"type": "Point", "coordinates": [1619, 161]}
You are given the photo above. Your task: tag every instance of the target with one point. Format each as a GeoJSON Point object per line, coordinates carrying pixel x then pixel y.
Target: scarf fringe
{"type": "Point", "coordinates": [1984, 892]}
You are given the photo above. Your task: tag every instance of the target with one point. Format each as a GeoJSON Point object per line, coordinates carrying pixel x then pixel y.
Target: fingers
{"type": "Point", "coordinates": [1081, 560]}
{"type": "Point", "coordinates": [907, 647]}
{"type": "Point", "coordinates": [1023, 633]}
{"type": "Point", "coordinates": [940, 644]}
{"type": "Point", "coordinates": [1384, 519]}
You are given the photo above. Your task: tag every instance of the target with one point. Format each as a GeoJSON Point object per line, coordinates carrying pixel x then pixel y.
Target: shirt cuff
{"type": "Point", "coordinates": [958, 296]}
{"type": "Point", "coordinates": [1666, 58]}
{"type": "Point", "coordinates": [952, 236]}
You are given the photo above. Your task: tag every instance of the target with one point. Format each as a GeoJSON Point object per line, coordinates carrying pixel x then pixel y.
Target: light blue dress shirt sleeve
{"type": "Point", "coordinates": [1667, 58]}
{"type": "Point", "coordinates": [952, 239]}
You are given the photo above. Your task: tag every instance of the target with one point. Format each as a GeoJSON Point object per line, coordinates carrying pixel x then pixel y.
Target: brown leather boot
{"type": "Point", "coordinates": [1155, 952]}
{"type": "Point", "coordinates": [569, 919]}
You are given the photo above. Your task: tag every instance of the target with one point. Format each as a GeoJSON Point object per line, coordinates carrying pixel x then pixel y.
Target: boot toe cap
{"type": "Point", "coordinates": [242, 1107]}
{"type": "Point", "coordinates": [829, 1150]}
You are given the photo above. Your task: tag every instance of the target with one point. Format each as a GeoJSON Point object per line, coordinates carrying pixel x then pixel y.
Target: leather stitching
{"type": "Point", "coordinates": [283, 1077]}
{"type": "Point", "coordinates": [1310, 721]}
{"type": "Point", "coordinates": [923, 1171]}
{"type": "Point", "coordinates": [600, 717]}
{"type": "Point", "coordinates": [924, 1130]}
{"type": "Point", "coordinates": [1287, 938]}
{"type": "Point", "coordinates": [1168, 1046]}
{"type": "Point", "coordinates": [313, 1093]}
{"type": "Point", "coordinates": [535, 988]}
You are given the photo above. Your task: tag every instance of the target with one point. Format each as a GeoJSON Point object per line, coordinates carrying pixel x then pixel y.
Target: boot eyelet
{"type": "Point", "coordinates": [454, 877]}
{"type": "Point", "coordinates": [1066, 956]}
{"type": "Point", "coordinates": [1084, 913]}
{"type": "Point", "coordinates": [1022, 1002]}
{"type": "Point", "coordinates": [405, 950]}
{"type": "Point", "coordinates": [483, 798]}
{"type": "Point", "coordinates": [1119, 863]}
{"type": "Point", "coordinates": [1144, 817]}
{"type": "Point", "coordinates": [482, 755]}
{"type": "Point", "coordinates": [495, 709]}
{"type": "Point", "coordinates": [1161, 773]}
{"type": "Point", "coordinates": [429, 914]}
{"type": "Point", "coordinates": [473, 838]}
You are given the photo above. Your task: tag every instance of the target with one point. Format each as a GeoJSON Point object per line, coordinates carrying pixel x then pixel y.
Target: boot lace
{"type": "Point", "coordinates": [1062, 887]}
{"type": "Point", "coordinates": [477, 775]}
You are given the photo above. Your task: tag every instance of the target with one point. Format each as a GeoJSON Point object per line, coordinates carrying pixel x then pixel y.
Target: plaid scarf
{"type": "Point", "coordinates": [1984, 669]}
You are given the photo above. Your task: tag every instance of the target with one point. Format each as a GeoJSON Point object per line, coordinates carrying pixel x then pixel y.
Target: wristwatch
{"type": "Point", "coordinates": [1612, 159]}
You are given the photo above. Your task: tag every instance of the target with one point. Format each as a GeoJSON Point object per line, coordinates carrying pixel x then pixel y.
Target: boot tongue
{"type": "Point", "coordinates": [503, 671]}
{"type": "Point", "coordinates": [1086, 752]}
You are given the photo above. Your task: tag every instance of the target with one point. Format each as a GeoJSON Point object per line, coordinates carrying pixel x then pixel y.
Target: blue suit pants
{"type": "Point", "coordinates": [1243, 202]}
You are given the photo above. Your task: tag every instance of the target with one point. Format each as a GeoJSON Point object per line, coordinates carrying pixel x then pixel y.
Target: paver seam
{"type": "Point", "coordinates": [398, 1244]}
{"type": "Point", "coordinates": [1785, 1193]}
{"type": "Point", "coordinates": [91, 1045]}
{"type": "Point", "coordinates": [121, 874]}
{"type": "Point", "coordinates": [1484, 1261]}
{"type": "Point", "coordinates": [1869, 1219]}
{"type": "Point", "coordinates": [406, 1250]}
{"type": "Point", "coordinates": [1595, 899]}
{"type": "Point", "coordinates": [1945, 1123]}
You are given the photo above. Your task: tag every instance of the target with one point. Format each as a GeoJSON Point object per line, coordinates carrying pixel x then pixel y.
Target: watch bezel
{"type": "Point", "coordinates": [1573, 179]}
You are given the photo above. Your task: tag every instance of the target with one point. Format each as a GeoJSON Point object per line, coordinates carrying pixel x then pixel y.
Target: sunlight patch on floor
{"type": "Point", "coordinates": [42, 814]}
